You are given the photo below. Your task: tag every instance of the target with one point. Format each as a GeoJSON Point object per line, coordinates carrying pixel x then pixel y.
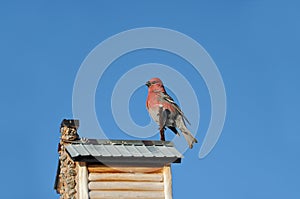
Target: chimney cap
{"type": "Point", "coordinates": [71, 123]}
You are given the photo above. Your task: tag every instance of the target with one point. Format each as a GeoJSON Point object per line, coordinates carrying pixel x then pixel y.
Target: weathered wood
{"type": "Point", "coordinates": [151, 177]}
{"type": "Point", "coordinates": [126, 194]}
{"type": "Point", "coordinates": [167, 182]}
{"type": "Point", "coordinates": [137, 186]}
{"type": "Point", "coordinates": [105, 169]}
{"type": "Point", "coordinates": [83, 181]}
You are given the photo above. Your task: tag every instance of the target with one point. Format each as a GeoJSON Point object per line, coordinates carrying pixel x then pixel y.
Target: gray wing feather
{"type": "Point", "coordinates": [170, 99]}
{"type": "Point", "coordinates": [162, 115]}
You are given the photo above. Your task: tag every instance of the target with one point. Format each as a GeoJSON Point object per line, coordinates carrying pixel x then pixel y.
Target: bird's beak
{"type": "Point", "coordinates": [148, 83]}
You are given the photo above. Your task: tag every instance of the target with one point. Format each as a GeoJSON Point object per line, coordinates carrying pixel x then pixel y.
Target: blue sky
{"type": "Point", "coordinates": [255, 45]}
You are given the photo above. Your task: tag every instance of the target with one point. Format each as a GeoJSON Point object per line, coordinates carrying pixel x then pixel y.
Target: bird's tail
{"type": "Point", "coordinates": [189, 138]}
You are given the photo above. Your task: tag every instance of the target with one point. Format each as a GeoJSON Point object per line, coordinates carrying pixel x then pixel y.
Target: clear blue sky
{"type": "Point", "coordinates": [255, 45]}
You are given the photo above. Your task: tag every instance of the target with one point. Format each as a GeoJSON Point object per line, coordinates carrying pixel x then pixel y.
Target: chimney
{"type": "Point", "coordinates": [94, 168]}
{"type": "Point", "coordinates": [68, 130]}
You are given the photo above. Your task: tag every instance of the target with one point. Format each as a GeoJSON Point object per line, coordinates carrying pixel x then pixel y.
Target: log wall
{"type": "Point", "coordinates": [129, 182]}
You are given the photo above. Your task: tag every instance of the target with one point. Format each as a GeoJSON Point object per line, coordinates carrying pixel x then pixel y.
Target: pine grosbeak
{"type": "Point", "coordinates": [165, 112]}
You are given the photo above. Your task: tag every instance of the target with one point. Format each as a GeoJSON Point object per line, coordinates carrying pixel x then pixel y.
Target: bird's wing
{"type": "Point", "coordinates": [162, 115]}
{"type": "Point", "coordinates": [169, 99]}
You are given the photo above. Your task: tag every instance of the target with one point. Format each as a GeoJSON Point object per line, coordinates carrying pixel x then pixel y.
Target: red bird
{"type": "Point", "coordinates": [165, 112]}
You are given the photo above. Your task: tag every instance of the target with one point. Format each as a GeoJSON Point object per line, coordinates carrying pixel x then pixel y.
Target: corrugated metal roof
{"type": "Point", "coordinates": [123, 150]}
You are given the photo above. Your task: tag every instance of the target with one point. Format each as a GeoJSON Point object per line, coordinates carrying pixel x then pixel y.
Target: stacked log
{"type": "Point", "coordinates": [125, 182]}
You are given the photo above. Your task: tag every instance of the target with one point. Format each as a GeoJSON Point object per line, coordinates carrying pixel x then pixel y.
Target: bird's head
{"type": "Point", "coordinates": [155, 84]}
{"type": "Point", "coordinates": [154, 81]}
